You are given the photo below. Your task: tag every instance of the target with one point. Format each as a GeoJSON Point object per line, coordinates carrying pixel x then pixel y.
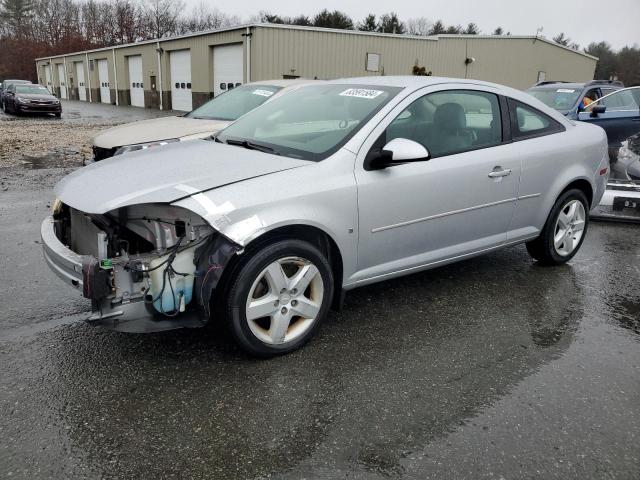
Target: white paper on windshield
{"type": "Point", "coordinates": [263, 93]}
{"type": "Point", "coordinates": [565, 90]}
{"type": "Point", "coordinates": [361, 93]}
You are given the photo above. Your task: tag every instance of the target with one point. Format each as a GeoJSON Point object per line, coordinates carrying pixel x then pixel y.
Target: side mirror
{"type": "Point", "coordinates": [597, 110]}
{"type": "Point", "coordinates": [396, 152]}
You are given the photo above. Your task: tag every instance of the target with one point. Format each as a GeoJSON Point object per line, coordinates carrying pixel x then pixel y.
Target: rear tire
{"type": "Point", "coordinates": [564, 230]}
{"type": "Point", "coordinates": [277, 297]}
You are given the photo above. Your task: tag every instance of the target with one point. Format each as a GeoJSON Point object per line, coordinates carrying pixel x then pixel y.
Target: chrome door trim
{"type": "Point", "coordinates": [453, 212]}
{"type": "Point", "coordinates": [532, 195]}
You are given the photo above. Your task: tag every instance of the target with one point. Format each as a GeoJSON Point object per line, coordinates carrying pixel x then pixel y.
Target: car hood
{"type": "Point", "coordinates": [37, 96]}
{"type": "Point", "coordinates": [156, 129]}
{"type": "Point", "coordinates": [165, 174]}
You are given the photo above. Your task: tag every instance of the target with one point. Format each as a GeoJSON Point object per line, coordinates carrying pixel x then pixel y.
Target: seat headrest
{"type": "Point", "coordinates": [450, 116]}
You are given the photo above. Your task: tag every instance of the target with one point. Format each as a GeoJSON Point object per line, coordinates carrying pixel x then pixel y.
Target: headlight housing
{"type": "Point", "coordinates": [144, 146]}
{"type": "Point", "coordinates": [22, 100]}
{"type": "Point", "coordinates": [56, 206]}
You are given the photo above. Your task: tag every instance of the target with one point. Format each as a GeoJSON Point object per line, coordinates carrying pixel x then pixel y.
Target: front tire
{"type": "Point", "coordinates": [278, 296]}
{"type": "Point", "coordinates": [564, 231]}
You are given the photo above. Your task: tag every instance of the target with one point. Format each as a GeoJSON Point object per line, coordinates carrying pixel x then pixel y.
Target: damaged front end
{"type": "Point", "coordinates": [145, 268]}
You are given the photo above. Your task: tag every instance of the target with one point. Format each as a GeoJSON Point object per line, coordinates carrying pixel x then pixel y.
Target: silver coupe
{"type": "Point", "coordinates": [327, 188]}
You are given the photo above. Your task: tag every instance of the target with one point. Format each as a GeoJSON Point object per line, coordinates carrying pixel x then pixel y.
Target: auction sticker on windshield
{"type": "Point", "coordinates": [264, 93]}
{"type": "Point", "coordinates": [565, 90]}
{"type": "Point", "coordinates": [361, 93]}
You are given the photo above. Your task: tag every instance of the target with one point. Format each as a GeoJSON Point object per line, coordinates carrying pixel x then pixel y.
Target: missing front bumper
{"type": "Point", "coordinates": [137, 315]}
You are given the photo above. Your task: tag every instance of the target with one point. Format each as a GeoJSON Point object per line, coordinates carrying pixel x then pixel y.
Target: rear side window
{"type": "Point", "coordinates": [527, 122]}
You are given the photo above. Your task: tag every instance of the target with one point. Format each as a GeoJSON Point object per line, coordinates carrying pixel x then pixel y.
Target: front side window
{"type": "Point", "coordinates": [450, 122]}
{"type": "Point", "coordinates": [233, 104]}
{"type": "Point", "coordinates": [311, 122]}
{"type": "Point", "coordinates": [528, 122]}
{"type": "Point", "coordinates": [627, 99]}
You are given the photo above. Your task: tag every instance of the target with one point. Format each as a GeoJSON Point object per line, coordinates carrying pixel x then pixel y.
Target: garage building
{"type": "Point", "coordinates": [181, 73]}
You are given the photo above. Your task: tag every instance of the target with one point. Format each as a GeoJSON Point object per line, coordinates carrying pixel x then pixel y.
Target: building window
{"type": "Point", "coordinates": [373, 62]}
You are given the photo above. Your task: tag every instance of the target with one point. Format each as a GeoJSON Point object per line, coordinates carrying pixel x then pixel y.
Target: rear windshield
{"type": "Point", "coordinates": [234, 103]}
{"type": "Point", "coordinates": [560, 98]}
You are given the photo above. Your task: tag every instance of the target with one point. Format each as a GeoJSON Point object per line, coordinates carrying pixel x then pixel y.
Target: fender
{"type": "Point", "coordinates": [315, 196]}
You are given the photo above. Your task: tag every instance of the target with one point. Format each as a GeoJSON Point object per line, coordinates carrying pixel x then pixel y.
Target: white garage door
{"type": "Point", "coordinates": [47, 77]}
{"type": "Point", "coordinates": [62, 79]}
{"type": "Point", "coordinates": [136, 86]}
{"type": "Point", "coordinates": [181, 80]}
{"type": "Point", "coordinates": [103, 78]}
{"type": "Point", "coordinates": [228, 63]}
{"type": "Point", "coordinates": [82, 92]}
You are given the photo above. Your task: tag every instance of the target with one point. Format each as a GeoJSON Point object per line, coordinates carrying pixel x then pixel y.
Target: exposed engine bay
{"type": "Point", "coordinates": [145, 267]}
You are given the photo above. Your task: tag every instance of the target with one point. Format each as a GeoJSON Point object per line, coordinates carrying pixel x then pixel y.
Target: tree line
{"type": "Point", "coordinates": [36, 28]}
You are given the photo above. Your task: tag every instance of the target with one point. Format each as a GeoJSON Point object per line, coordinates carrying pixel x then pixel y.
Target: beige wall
{"type": "Point", "coordinates": [328, 54]}
{"type": "Point", "coordinates": [510, 61]}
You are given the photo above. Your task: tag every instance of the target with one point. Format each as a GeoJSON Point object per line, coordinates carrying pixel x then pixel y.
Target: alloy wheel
{"type": "Point", "coordinates": [569, 228]}
{"type": "Point", "coordinates": [284, 300]}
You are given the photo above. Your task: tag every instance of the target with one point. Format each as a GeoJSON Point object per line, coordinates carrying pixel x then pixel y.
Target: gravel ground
{"type": "Point", "coordinates": [45, 141]}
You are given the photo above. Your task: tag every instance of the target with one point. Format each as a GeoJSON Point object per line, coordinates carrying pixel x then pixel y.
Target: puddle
{"type": "Point", "coordinates": [54, 159]}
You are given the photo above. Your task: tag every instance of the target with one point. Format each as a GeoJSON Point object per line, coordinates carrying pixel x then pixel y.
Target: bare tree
{"type": "Point", "coordinates": [162, 17]}
{"type": "Point", "coordinates": [419, 26]}
{"type": "Point", "coordinates": [205, 17]}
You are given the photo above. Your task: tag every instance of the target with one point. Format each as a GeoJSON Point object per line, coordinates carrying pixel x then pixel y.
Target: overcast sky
{"type": "Point", "coordinates": [584, 21]}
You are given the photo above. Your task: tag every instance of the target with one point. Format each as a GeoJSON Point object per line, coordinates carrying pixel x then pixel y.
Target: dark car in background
{"type": "Point", "coordinates": [29, 98]}
{"type": "Point", "coordinates": [571, 98]}
{"type": "Point", "coordinates": [6, 84]}
{"type": "Point", "coordinates": [618, 113]}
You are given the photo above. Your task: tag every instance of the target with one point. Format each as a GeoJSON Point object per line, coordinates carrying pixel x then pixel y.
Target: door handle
{"type": "Point", "coordinates": [500, 173]}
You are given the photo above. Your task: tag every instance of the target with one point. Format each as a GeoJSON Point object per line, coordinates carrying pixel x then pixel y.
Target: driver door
{"type": "Point", "coordinates": [621, 118]}
{"type": "Point", "coordinates": [458, 202]}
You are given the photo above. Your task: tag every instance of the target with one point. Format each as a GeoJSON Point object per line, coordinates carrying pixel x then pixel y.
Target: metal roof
{"type": "Point", "coordinates": [433, 38]}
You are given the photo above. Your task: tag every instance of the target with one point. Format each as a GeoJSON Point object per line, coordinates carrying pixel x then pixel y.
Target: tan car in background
{"type": "Point", "coordinates": [202, 122]}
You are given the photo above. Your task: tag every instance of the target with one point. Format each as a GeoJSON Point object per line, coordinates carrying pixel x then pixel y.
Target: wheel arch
{"type": "Point", "coordinates": [583, 185]}
{"type": "Point", "coordinates": [316, 236]}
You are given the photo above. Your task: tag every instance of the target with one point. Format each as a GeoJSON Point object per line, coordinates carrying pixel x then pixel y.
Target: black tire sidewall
{"type": "Point", "coordinates": [549, 229]}
{"type": "Point", "coordinates": [243, 278]}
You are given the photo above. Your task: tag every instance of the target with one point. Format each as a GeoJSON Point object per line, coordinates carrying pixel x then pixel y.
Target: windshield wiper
{"type": "Point", "coordinates": [253, 146]}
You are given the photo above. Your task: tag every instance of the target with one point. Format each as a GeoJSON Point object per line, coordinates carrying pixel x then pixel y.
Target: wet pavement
{"type": "Point", "coordinates": [487, 369]}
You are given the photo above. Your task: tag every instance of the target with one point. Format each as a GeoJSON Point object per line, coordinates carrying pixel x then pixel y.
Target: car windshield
{"type": "Point", "coordinates": [310, 123]}
{"type": "Point", "coordinates": [560, 98]}
{"type": "Point", "coordinates": [32, 89]}
{"type": "Point", "coordinates": [234, 103]}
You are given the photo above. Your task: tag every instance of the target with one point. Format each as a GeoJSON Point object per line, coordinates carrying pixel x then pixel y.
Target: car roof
{"type": "Point", "coordinates": [17, 81]}
{"type": "Point", "coordinates": [415, 82]}
{"type": "Point", "coordinates": [560, 85]}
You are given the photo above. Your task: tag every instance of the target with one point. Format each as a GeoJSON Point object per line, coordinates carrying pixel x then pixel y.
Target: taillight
{"type": "Point", "coordinates": [604, 171]}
